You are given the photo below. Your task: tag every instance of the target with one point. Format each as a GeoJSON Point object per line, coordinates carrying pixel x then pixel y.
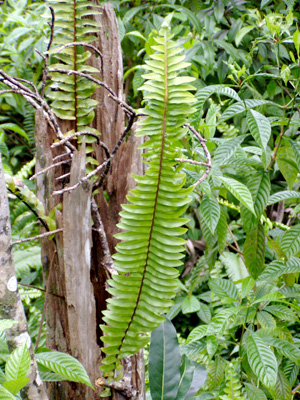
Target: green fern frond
{"type": "Point", "coordinates": [151, 246]}
{"type": "Point", "coordinates": [71, 94]}
{"type": "Point", "coordinates": [233, 385]}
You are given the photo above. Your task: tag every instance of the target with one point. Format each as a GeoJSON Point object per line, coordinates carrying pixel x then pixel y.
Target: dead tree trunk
{"type": "Point", "coordinates": [11, 306]}
{"type": "Point", "coordinates": [74, 266]}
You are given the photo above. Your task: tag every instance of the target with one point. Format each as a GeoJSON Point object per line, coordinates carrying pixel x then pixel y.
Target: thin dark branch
{"type": "Point", "coordinates": [124, 105]}
{"type": "Point", "coordinates": [83, 133]}
{"type": "Point", "coordinates": [37, 102]}
{"type": "Point", "coordinates": [46, 58]}
{"type": "Point", "coordinates": [106, 260]}
{"type": "Point", "coordinates": [45, 225]}
{"type": "Point", "coordinates": [28, 83]}
{"type": "Point", "coordinates": [59, 178]}
{"type": "Point", "coordinates": [42, 290]}
{"type": "Point", "coordinates": [80, 182]}
{"type": "Point", "coordinates": [85, 45]}
{"type": "Point", "coordinates": [42, 235]}
{"type": "Point", "coordinates": [42, 171]}
{"type": "Point", "coordinates": [120, 141]}
{"type": "Point", "coordinates": [205, 149]}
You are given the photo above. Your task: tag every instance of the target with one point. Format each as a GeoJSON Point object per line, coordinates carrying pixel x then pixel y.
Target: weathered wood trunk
{"type": "Point", "coordinates": [11, 306]}
{"type": "Point", "coordinates": [74, 268]}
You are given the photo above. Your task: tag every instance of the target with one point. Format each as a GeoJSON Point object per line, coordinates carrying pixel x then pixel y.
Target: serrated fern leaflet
{"type": "Point", "coordinates": [151, 248]}
{"type": "Point", "coordinates": [71, 93]}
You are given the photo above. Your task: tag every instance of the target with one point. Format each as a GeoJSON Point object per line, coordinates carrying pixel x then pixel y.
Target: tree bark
{"type": "Point", "coordinates": [73, 323]}
{"type": "Point", "coordinates": [11, 306]}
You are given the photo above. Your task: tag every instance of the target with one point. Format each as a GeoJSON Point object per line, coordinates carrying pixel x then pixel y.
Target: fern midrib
{"type": "Point", "coordinates": [156, 194]}
{"type": "Point", "coordinates": [75, 65]}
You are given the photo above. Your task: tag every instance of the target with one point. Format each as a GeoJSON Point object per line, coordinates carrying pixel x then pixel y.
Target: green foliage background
{"type": "Point", "coordinates": [237, 306]}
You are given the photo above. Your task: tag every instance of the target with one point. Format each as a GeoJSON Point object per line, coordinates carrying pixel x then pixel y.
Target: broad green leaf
{"type": "Point", "coordinates": [221, 321]}
{"type": "Point", "coordinates": [200, 376]}
{"type": "Point", "coordinates": [235, 266]}
{"type": "Point", "coordinates": [212, 345]}
{"type": "Point", "coordinates": [5, 394]}
{"type": "Point", "coordinates": [219, 10]}
{"type": "Point", "coordinates": [254, 393]}
{"type": "Point", "coordinates": [260, 128]}
{"type": "Point", "coordinates": [204, 313]}
{"type": "Point", "coordinates": [226, 149]}
{"type": "Point", "coordinates": [224, 288]}
{"type": "Point", "coordinates": [18, 363]}
{"type": "Point", "coordinates": [186, 376]}
{"type": "Point", "coordinates": [197, 333]}
{"type": "Point", "coordinates": [221, 229]}
{"type": "Point", "coordinates": [296, 150]}
{"type": "Point", "coordinates": [282, 312]}
{"type": "Point", "coordinates": [285, 195]}
{"type": "Point", "coordinates": [15, 128]}
{"type": "Point", "coordinates": [210, 211]}
{"type": "Point", "coordinates": [247, 285]}
{"type": "Point", "coordinates": [164, 362]}
{"type": "Point", "coordinates": [266, 320]}
{"type": "Point", "coordinates": [240, 191]}
{"type": "Point", "coordinates": [191, 304]}
{"type": "Point", "coordinates": [242, 32]}
{"type": "Point", "coordinates": [262, 361]}
{"type": "Point", "coordinates": [286, 349]}
{"type": "Point", "coordinates": [254, 250]}
{"type": "Point", "coordinates": [283, 387]}
{"type": "Point", "coordinates": [240, 107]}
{"type": "Point", "coordinates": [259, 186]}
{"type": "Point", "coordinates": [296, 39]}
{"type": "Point", "coordinates": [286, 163]}
{"type": "Point", "coordinates": [6, 324]}
{"type": "Point", "coordinates": [290, 241]}
{"type": "Point", "coordinates": [64, 365]}
{"type": "Point", "coordinates": [275, 296]}
{"type": "Point", "coordinates": [14, 386]}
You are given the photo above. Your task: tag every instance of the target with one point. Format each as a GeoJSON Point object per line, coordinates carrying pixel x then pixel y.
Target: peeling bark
{"type": "Point", "coordinates": [11, 306]}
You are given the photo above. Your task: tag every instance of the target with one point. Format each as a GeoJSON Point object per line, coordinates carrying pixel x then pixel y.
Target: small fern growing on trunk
{"type": "Point", "coordinates": [151, 248]}
{"type": "Point", "coordinates": [71, 93]}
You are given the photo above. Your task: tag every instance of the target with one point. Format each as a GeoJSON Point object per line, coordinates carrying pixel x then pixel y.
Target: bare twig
{"type": "Point", "coordinates": [31, 209]}
{"type": "Point", "coordinates": [296, 389]}
{"type": "Point", "coordinates": [120, 141]}
{"type": "Point", "coordinates": [42, 290]}
{"type": "Point", "coordinates": [42, 171]}
{"type": "Point", "coordinates": [42, 235]}
{"type": "Point", "coordinates": [84, 179]}
{"type": "Point", "coordinates": [46, 57]}
{"type": "Point", "coordinates": [237, 247]}
{"type": "Point", "coordinates": [205, 149]}
{"type": "Point", "coordinates": [124, 105]}
{"type": "Point", "coordinates": [187, 160]}
{"type": "Point", "coordinates": [37, 102]}
{"type": "Point", "coordinates": [61, 156]}
{"type": "Point", "coordinates": [85, 45]}
{"type": "Point", "coordinates": [59, 178]}
{"type": "Point", "coordinates": [106, 260]}
{"type": "Point", "coordinates": [276, 149]}
{"type": "Point", "coordinates": [83, 133]}
{"type": "Point", "coordinates": [28, 83]}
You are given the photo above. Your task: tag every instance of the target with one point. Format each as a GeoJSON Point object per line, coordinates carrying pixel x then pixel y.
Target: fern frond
{"type": "Point", "coordinates": [71, 94]}
{"type": "Point", "coordinates": [151, 246]}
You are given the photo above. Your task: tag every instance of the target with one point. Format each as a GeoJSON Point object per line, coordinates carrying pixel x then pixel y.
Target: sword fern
{"type": "Point", "coordinates": [71, 93]}
{"type": "Point", "coordinates": [151, 248]}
